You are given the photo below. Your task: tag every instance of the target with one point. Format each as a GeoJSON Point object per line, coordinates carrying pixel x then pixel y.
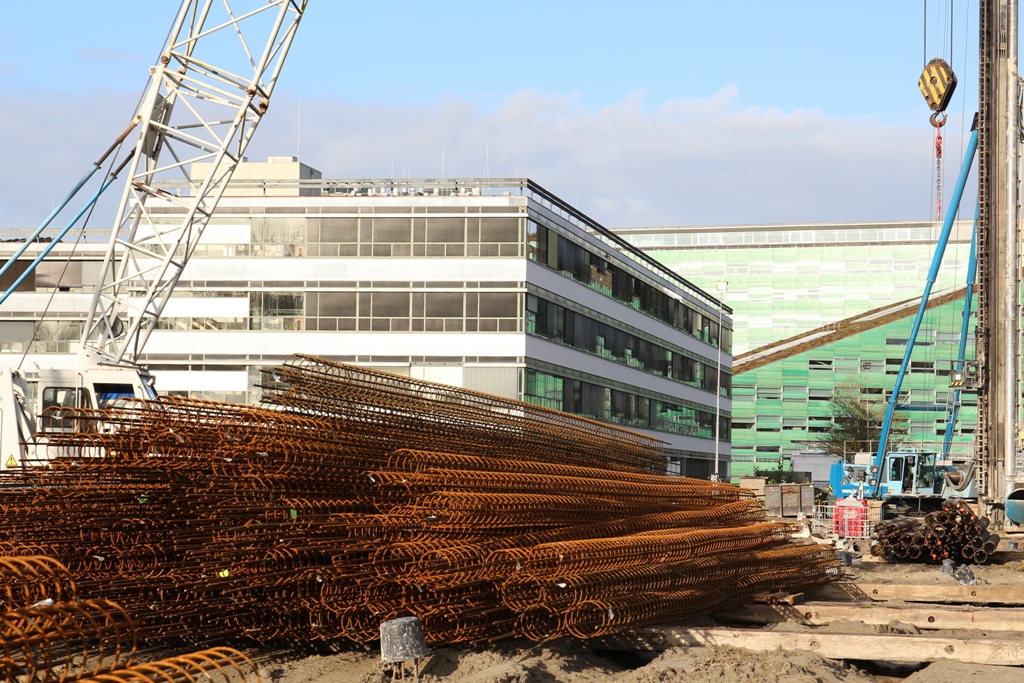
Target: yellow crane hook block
{"type": "Point", "coordinates": [937, 84]}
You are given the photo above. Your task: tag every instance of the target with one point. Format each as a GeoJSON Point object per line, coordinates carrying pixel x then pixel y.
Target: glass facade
{"type": "Point", "coordinates": [548, 248]}
{"type": "Point", "coordinates": [779, 408]}
{"type": "Point", "coordinates": [785, 281]}
{"type": "Point", "coordinates": [621, 405]}
{"type": "Point", "coordinates": [609, 341]}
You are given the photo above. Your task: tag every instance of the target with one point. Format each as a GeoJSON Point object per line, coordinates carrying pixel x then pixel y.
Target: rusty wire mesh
{"type": "Point", "coordinates": [353, 497]}
{"type": "Point", "coordinates": [56, 637]}
{"type": "Point", "coordinates": [414, 414]}
{"type": "Point", "coordinates": [216, 665]}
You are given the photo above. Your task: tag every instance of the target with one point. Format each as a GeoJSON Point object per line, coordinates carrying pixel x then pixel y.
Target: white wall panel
{"type": "Point", "coordinates": [233, 307]}
{"type": "Point", "coordinates": [337, 343]}
{"type": "Point", "coordinates": [366, 269]}
{"type": "Point", "coordinates": [63, 302]}
{"type": "Point", "coordinates": [59, 361]}
{"type": "Point", "coordinates": [444, 374]}
{"type": "Point", "coordinates": [211, 380]}
{"type": "Point", "coordinates": [227, 234]}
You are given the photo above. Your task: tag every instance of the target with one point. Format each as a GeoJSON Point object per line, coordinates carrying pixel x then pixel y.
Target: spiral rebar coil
{"type": "Point", "coordinates": [64, 639]}
{"type": "Point", "coordinates": [354, 497]}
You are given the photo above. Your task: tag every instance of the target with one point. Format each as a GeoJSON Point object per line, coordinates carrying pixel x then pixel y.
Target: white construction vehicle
{"type": "Point", "coordinates": [207, 92]}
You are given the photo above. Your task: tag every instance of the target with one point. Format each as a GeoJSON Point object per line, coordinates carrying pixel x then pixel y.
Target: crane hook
{"type": "Point", "coordinates": [936, 121]}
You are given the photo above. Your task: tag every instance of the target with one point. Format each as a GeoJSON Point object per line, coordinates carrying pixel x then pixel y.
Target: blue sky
{"type": "Point", "coordinates": [704, 112]}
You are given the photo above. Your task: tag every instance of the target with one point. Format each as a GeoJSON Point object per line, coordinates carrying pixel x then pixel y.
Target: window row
{"type": "Point", "coordinates": [780, 237]}
{"type": "Point", "coordinates": [620, 407]}
{"type": "Point", "coordinates": [426, 230]}
{"type": "Point", "coordinates": [890, 366]}
{"type": "Point", "coordinates": [369, 311]}
{"type": "Point", "coordinates": [551, 321]}
{"type": "Point", "coordinates": [823, 425]}
{"type": "Point", "coordinates": [547, 247]}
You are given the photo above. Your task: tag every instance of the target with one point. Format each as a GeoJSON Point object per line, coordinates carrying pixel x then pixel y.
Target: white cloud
{"type": "Point", "coordinates": [699, 161]}
{"type": "Point", "coordinates": [686, 162]}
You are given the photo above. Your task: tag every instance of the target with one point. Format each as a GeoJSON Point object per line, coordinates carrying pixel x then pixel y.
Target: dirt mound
{"type": "Point", "coordinates": [520, 663]}
{"type": "Point", "coordinates": [349, 666]}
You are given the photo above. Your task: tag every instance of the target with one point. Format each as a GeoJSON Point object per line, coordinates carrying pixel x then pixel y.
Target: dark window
{"type": "Point", "coordinates": [338, 304]}
{"type": "Point", "coordinates": [444, 305]}
{"type": "Point", "coordinates": [392, 230]}
{"type": "Point", "coordinates": [108, 393]}
{"type": "Point", "coordinates": [537, 241]}
{"type": "Point", "coordinates": [339, 230]}
{"type": "Point", "coordinates": [390, 304]}
{"type": "Point", "coordinates": [56, 401]}
{"type": "Point", "coordinates": [446, 230]}
{"type": "Point", "coordinates": [499, 230]}
{"type": "Point", "coordinates": [497, 305]}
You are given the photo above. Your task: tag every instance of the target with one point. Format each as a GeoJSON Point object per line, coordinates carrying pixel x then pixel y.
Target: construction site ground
{"type": "Point", "coordinates": [841, 633]}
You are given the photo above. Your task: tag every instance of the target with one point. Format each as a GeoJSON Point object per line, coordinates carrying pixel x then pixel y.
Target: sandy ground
{"type": "Point", "coordinates": [1010, 573]}
{"type": "Point", "coordinates": [569, 661]}
{"type": "Point", "coordinates": [574, 661]}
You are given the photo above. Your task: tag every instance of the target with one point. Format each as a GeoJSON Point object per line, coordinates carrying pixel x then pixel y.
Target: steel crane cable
{"type": "Point", "coordinates": [74, 245]}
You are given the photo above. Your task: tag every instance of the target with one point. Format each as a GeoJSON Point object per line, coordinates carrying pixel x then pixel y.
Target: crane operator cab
{"type": "Point", "coordinates": [909, 474]}
{"type": "Point", "coordinates": [910, 481]}
{"type": "Point", "coordinates": [59, 393]}
{"type": "Point", "coordinates": [62, 390]}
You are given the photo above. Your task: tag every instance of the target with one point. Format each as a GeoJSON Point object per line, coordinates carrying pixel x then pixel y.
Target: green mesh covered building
{"type": "Point", "coordinates": [788, 279]}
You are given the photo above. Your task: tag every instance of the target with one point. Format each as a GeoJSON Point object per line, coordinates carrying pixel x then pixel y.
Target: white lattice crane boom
{"type": "Point", "coordinates": [206, 95]}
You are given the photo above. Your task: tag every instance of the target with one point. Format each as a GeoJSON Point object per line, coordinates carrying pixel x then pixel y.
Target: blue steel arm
{"type": "Point", "coordinates": [64, 203]}
{"type": "Point", "coordinates": [49, 219]}
{"type": "Point", "coordinates": [49, 247]}
{"type": "Point", "coordinates": [972, 269]}
{"type": "Point", "coordinates": [933, 272]}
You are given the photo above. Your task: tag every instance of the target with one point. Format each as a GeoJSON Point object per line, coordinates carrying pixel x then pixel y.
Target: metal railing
{"type": "Point", "coordinates": [846, 521]}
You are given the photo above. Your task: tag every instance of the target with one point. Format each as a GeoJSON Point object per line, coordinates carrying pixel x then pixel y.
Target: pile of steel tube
{"type": "Point", "coordinates": [48, 634]}
{"type": "Point", "coordinates": [954, 533]}
{"type": "Point", "coordinates": [352, 497]}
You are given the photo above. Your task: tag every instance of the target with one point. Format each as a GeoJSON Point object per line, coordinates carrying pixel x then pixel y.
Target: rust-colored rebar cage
{"type": "Point", "coordinates": [351, 497]}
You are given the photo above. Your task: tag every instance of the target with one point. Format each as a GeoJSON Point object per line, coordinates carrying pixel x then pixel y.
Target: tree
{"type": "Point", "coordinates": [857, 423]}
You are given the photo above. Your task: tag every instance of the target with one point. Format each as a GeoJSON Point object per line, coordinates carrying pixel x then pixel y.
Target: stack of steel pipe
{"type": "Point", "coordinates": [955, 533]}
{"type": "Point", "coordinates": [48, 634]}
{"type": "Point", "coordinates": [353, 497]}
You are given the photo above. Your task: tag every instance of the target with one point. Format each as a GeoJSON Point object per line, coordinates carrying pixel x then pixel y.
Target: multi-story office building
{"type": "Point", "coordinates": [497, 286]}
{"type": "Point", "coordinates": [788, 279]}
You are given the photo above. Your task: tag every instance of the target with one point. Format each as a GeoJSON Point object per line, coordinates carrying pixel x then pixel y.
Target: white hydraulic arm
{"type": "Point", "coordinates": [206, 95]}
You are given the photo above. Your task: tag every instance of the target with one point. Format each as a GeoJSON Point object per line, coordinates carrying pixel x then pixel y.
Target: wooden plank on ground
{"type": "Point", "coordinates": [977, 595]}
{"type": "Point", "coordinates": [921, 615]}
{"type": "Point", "coordinates": [779, 598]}
{"type": "Point", "coordinates": [1006, 556]}
{"type": "Point", "coordinates": [880, 647]}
